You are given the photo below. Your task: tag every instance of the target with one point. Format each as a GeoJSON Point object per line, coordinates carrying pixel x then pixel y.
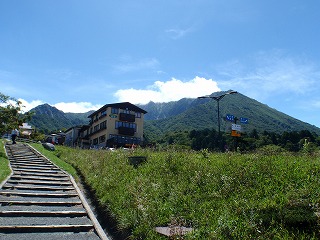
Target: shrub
{"type": "Point", "coordinates": [265, 195]}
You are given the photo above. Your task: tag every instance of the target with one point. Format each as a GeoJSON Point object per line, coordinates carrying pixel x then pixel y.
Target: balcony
{"type": "Point", "coordinates": [102, 116]}
{"type": "Point", "coordinates": [126, 131]}
{"type": "Point", "coordinates": [97, 130]}
{"type": "Point", "coordinates": [84, 137]}
{"type": "Point", "coordinates": [127, 117]}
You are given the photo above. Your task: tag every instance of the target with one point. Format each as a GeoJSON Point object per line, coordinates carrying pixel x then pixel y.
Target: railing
{"type": "Point", "coordinates": [26, 140]}
{"type": "Point", "coordinates": [126, 131]}
{"type": "Point", "coordinates": [96, 131]}
{"type": "Point", "coordinates": [127, 117]}
{"type": "Point", "coordinates": [102, 116]}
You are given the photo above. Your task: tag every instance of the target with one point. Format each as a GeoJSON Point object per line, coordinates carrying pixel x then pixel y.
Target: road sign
{"type": "Point", "coordinates": [230, 118]}
{"type": "Point", "coordinates": [244, 120]}
{"type": "Point", "coordinates": [236, 127]}
{"type": "Point", "coordinates": [235, 133]}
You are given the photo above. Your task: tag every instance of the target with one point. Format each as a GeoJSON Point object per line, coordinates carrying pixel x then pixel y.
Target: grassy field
{"type": "Point", "coordinates": [220, 195]}
{"type": "Point", "coordinates": [4, 162]}
{"type": "Point", "coordinates": [265, 195]}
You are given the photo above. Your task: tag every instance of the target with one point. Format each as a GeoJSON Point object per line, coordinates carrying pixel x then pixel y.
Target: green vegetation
{"type": "Point", "coordinates": [184, 115]}
{"type": "Point", "coordinates": [10, 114]}
{"type": "Point", "coordinates": [4, 162]}
{"type": "Point", "coordinates": [270, 191]}
{"type": "Point", "coordinates": [270, 194]}
{"type": "Point", "coordinates": [49, 119]}
{"type": "Point", "coordinates": [198, 114]}
{"type": "Point", "coordinates": [294, 141]}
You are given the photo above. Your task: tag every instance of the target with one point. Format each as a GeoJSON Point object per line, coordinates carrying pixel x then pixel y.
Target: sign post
{"type": "Point", "coordinates": [236, 129]}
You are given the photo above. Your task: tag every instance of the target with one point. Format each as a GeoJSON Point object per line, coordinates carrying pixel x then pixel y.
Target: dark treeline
{"type": "Point", "coordinates": [209, 139]}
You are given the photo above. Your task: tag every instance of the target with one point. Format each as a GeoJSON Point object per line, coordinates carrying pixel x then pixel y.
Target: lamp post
{"type": "Point", "coordinates": [217, 99]}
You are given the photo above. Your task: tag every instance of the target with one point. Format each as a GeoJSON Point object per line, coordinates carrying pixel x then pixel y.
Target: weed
{"type": "Point", "coordinates": [4, 163]}
{"type": "Point", "coordinates": [270, 194]}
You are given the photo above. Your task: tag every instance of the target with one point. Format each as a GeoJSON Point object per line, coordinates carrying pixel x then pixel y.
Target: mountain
{"type": "Point", "coordinates": [198, 114]}
{"type": "Point", "coordinates": [48, 118]}
{"type": "Point", "coordinates": [158, 111]}
{"type": "Point", "coordinates": [79, 118]}
{"type": "Point", "coordinates": [186, 115]}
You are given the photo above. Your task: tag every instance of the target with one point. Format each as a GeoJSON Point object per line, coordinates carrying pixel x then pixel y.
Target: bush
{"type": "Point", "coordinates": [266, 195]}
{"type": "Point", "coordinates": [4, 163]}
{"type": "Point", "coordinates": [271, 150]}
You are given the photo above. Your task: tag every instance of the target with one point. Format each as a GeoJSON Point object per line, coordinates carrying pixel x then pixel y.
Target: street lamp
{"type": "Point", "coordinates": [217, 99]}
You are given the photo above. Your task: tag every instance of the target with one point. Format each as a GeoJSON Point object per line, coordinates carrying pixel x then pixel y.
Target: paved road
{"type": "Point", "coordinates": [40, 201]}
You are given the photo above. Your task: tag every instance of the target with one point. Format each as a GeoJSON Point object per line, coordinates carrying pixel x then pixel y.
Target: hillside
{"type": "Point", "coordinates": [158, 111]}
{"type": "Point", "coordinates": [48, 118]}
{"type": "Point", "coordinates": [185, 115]}
{"type": "Point", "coordinates": [199, 114]}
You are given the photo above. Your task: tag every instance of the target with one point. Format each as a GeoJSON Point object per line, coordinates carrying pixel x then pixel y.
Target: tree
{"type": "Point", "coordinates": [10, 113]}
{"type": "Point", "coordinates": [254, 134]}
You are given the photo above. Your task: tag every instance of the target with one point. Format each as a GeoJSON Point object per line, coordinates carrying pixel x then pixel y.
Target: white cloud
{"type": "Point", "coordinates": [285, 75]}
{"type": "Point", "coordinates": [271, 73]}
{"type": "Point", "coordinates": [176, 33]}
{"type": "Point", "coordinates": [76, 107]}
{"type": "Point", "coordinates": [29, 105]}
{"type": "Point", "coordinates": [171, 90]}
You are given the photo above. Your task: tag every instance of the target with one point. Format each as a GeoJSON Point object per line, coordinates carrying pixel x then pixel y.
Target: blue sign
{"type": "Point", "coordinates": [230, 118]}
{"type": "Point", "coordinates": [244, 120]}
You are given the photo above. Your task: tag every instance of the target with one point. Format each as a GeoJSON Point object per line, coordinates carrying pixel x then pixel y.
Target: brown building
{"type": "Point", "coordinates": [77, 136]}
{"type": "Point", "coordinates": [117, 124]}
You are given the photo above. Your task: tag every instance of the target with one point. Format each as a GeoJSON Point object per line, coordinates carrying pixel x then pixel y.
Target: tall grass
{"type": "Point", "coordinates": [4, 162]}
{"type": "Point", "coordinates": [219, 195]}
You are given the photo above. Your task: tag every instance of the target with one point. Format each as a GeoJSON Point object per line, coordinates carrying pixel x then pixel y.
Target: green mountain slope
{"type": "Point", "coordinates": [202, 113]}
{"type": "Point", "coordinates": [186, 115]}
{"type": "Point", "coordinates": [48, 118]}
{"type": "Point", "coordinates": [79, 118]}
{"type": "Point", "coordinates": [165, 110]}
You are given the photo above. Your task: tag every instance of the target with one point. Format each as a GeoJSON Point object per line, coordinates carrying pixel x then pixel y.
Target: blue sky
{"type": "Point", "coordinates": [78, 55]}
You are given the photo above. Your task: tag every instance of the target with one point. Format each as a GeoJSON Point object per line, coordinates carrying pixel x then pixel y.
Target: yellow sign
{"type": "Point", "coordinates": [235, 133]}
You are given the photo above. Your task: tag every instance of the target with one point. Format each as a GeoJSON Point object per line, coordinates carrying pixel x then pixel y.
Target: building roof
{"type": "Point", "coordinates": [73, 127]}
{"type": "Point", "coordinates": [26, 126]}
{"type": "Point", "coordinates": [122, 105]}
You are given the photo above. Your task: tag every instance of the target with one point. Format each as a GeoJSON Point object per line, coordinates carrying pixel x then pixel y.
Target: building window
{"type": "Point", "coordinates": [95, 141]}
{"type": "Point", "coordinates": [103, 113]}
{"type": "Point", "coordinates": [114, 110]}
{"type": "Point", "coordinates": [127, 111]}
{"type": "Point", "coordinates": [125, 140]}
{"type": "Point", "coordinates": [102, 139]}
{"type": "Point", "coordinates": [126, 124]}
{"type": "Point", "coordinates": [103, 125]}
{"type": "Point", "coordinates": [138, 114]}
{"type": "Point", "coordinates": [96, 128]}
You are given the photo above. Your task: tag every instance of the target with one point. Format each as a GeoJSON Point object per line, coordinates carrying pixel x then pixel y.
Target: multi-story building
{"type": "Point", "coordinates": [83, 140]}
{"type": "Point", "coordinates": [25, 130]}
{"type": "Point", "coordinates": [73, 136]}
{"type": "Point", "coordinates": [117, 124]}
